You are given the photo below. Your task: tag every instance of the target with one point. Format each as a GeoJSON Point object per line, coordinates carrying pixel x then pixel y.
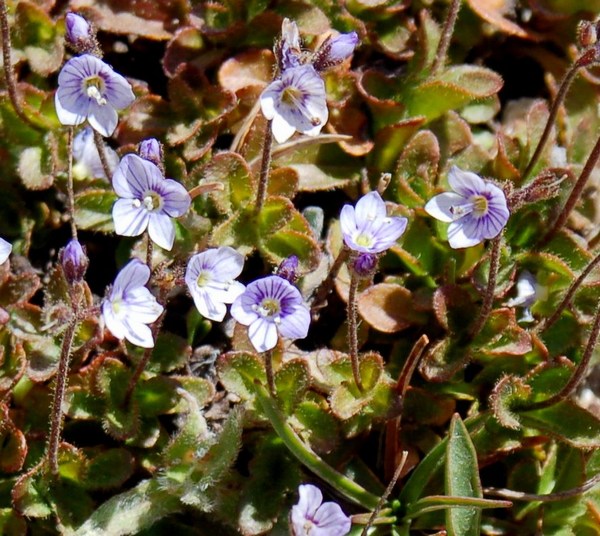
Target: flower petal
{"type": "Point", "coordinates": [262, 334]}
{"type": "Point", "coordinates": [103, 119]}
{"type": "Point", "coordinates": [308, 503]}
{"type": "Point", "coordinates": [464, 233]}
{"type": "Point", "coordinates": [282, 129]}
{"type": "Point", "coordinates": [465, 183]}
{"type": "Point", "coordinates": [387, 233]}
{"type": "Point", "coordinates": [176, 200]}
{"type": "Point", "coordinates": [5, 249]}
{"type": "Point", "coordinates": [295, 324]}
{"type": "Point", "coordinates": [228, 263]}
{"type": "Point", "coordinates": [369, 208]}
{"type": "Point", "coordinates": [330, 520]}
{"type": "Point", "coordinates": [242, 313]}
{"type": "Point", "coordinates": [161, 230]}
{"type": "Point", "coordinates": [440, 206]}
{"type": "Point", "coordinates": [142, 305]}
{"type": "Point", "coordinates": [134, 274]}
{"type": "Point", "coordinates": [138, 334]}
{"type": "Point", "coordinates": [129, 220]}
{"type": "Point", "coordinates": [207, 307]}
{"type": "Point", "coordinates": [114, 325]}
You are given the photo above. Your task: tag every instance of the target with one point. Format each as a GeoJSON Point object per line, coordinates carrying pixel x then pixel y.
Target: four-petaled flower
{"type": "Point", "coordinates": [476, 210]}
{"type": "Point", "coordinates": [312, 517]}
{"type": "Point", "coordinates": [148, 200]}
{"type": "Point", "coordinates": [130, 306]}
{"type": "Point", "coordinates": [89, 89]}
{"type": "Point", "coordinates": [268, 306]}
{"type": "Point", "coordinates": [367, 228]}
{"type": "Point", "coordinates": [295, 102]}
{"type": "Point", "coordinates": [210, 278]}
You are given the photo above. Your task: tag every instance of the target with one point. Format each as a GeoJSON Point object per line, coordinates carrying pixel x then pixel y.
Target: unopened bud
{"type": "Point", "coordinates": [335, 50]}
{"type": "Point", "coordinates": [364, 264]}
{"type": "Point", "coordinates": [586, 34]}
{"type": "Point", "coordinates": [79, 33]}
{"type": "Point", "coordinates": [288, 269]}
{"type": "Point", "coordinates": [151, 149]}
{"type": "Point", "coordinates": [74, 261]}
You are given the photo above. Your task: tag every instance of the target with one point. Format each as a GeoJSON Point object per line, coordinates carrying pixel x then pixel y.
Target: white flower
{"type": "Point", "coordinates": [210, 278]}
{"type": "Point", "coordinates": [130, 306]}
{"type": "Point", "coordinates": [312, 517]}
{"type": "Point", "coordinates": [528, 292]}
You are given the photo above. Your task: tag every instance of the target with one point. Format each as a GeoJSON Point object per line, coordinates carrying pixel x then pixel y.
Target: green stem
{"type": "Point", "coordinates": [348, 488]}
{"type": "Point", "coordinates": [353, 329]}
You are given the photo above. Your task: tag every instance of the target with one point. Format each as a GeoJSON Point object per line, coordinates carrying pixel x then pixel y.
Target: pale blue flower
{"type": "Point", "coordinates": [295, 102]}
{"type": "Point", "coordinates": [85, 153]}
{"type": "Point", "coordinates": [312, 517]}
{"type": "Point", "coordinates": [210, 279]}
{"type": "Point", "coordinates": [148, 201]}
{"type": "Point", "coordinates": [130, 306]}
{"type": "Point", "coordinates": [89, 89]}
{"type": "Point", "coordinates": [335, 50]}
{"type": "Point", "coordinates": [367, 228]}
{"type": "Point", "coordinates": [476, 210]}
{"type": "Point", "coordinates": [271, 306]}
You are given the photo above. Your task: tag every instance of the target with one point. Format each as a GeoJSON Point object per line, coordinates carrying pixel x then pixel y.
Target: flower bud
{"type": "Point", "coordinates": [288, 268]}
{"type": "Point", "coordinates": [335, 50]}
{"type": "Point", "coordinates": [74, 261]}
{"type": "Point", "coordinates": [586, 34]}
{"type": "Point", "coordinates": [79, 33]}
{"type": "Point", "coordinates": [151, 150]}
{"type": "Point", "coordinates": [364, 264]}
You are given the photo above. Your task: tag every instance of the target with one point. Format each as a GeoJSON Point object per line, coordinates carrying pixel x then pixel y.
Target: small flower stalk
{"type": "Point", "coordinates": [130, 307]}
{"type": "Point", "coordinates": [476, 209]}
{"type": "Point", "coordinates": [313, 517]}
{"type": "Point", "coordinates": [210, 277]}
{"type": "Point", "coordinates": [147, 201]}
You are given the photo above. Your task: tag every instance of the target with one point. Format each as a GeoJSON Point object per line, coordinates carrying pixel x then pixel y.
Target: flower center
{"type": "Point", "coordinates": [94, 87]}
{"type": "Point", "coordinates": [269, 308]}
{"type": "Point", "coordinates": [203, 278]}
{"type": "Point", "coordinates": [116, 305]}
{"type": "Point", "coordinates": [480, 205]}
{"type": "Point", "coordinates": [364, 240]}
{"type": "Point", "coordinates": [292, 96]}
{"type": "Point", "coordinates": [152, 201]}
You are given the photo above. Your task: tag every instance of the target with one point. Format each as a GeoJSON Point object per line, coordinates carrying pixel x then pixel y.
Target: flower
{"type": "Point", "coordinates": [151, 149]}
{"type": "Point", "coordinates": [311, 516]}
{"type": "Point", "coordinates": [79, 33]}
{"type": "Point", "coordinates": [528, 292]}
{"type": "Point", "coordinates": [86, 155]}
{"type": "Point", "coordinates": [295, 102]}
{"type": "Point", "coordinates": [335, 50]}
{"type": "Point", "coordinates": [477, 209]}
{"type": "Point", "coordinates": [367, 228]}
{"type": "Point", "coordinates": [130, 306]}
{"type": "Point", "coordinates": [5, 249]}
{"type": "Point", "coordinates": [89, 89]}
{"type": "Point", "coordinates": [268, 306]}
{"type": "Point", "coordinates": [288, 48]}
{"type": "Point", "coordinates": [288, 269]}
{"type": "Point", "coordinates": [210, 277]}
{"type": "Point", "coordinates": [74, 261]}
{"type": "Point", "coordinates": [148, 200]}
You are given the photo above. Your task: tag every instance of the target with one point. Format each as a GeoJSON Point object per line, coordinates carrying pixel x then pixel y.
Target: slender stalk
{"type": "Point", "coordinates": [353, 328]}
{"type": "Point", "coordinates": [56, 417]}
{"type": "Point", "coordinates": [569, 295]}
{"type": "Point", "coordinates": [99, 142]}
{"type": "Point", "coordinates": [580, 371]}
{"type": "Point", "coordinates": [205, 188]}
{"type": "Point", "coordinates": [386, 494]}
{"type": "Point", "coordinates": [303, 453]}
{"type": "Point", "coordinates": [558, 100]}
{"type": "Point", "coordinates": [488, 299]}
{"type": "Point", "coordinates": [575, 193]}
{"type": "Point", "coordinates": [70, 191]}
{"type": "Point", "coordinates": [149, 249]}
{"type": "Point", "coordinates": [447, 31]}
{"type": "Point", "coordinates": [9, 76]}
{"type": "Point", "coordinates": [269, 369]}
{"type": "Point", "coordinates": [265, 167]}
{"type": "Point", "coordinates": [325, 287]}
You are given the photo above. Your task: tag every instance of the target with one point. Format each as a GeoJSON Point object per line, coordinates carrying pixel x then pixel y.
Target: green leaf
{"type": "Point", "coordinates": [156, 396]}
{"type": "Point", "coordinates": [291, 382]}
{"type": "Point", "coordinates": [238, 371]}
{"type": "Point", "coordinates": [462, 480]}
{"type": "Point", "coordinates": [109, 469]}
{"type": "Point", "coordinates": [130, 512]}
{"type": "Point", "coordinates": [93, 210]}
{"type": "Point", "coordinates": [565, 421]}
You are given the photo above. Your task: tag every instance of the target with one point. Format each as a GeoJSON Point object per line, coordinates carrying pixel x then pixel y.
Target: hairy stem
{"type": "Point", "coordinates": [304, 454]}
{"type": "Point", "coordinates": [149, 249]}
{"type": "Point", "coordinates": [569, 295]}
{"type": "Point", "coordinates": [447, 31]}
{"type": "Point", "coordinates": [56, 417]}
{"type": "Point", "coordinates": [488, 298]}
{"type": "Point", "coordinates": [575, 193]}
{"type": "Point", "coordinates": [9, 76]}
{"type": "Point", "coordinates": [580, 371]}
{"type": "Point", "coordinates": [325, 287]}
{"type": "Point", "coordinates": [265, 167]}
{"type": "Point", "coordinates": [269, 370]}
{"type": "Point", "coordinates": [70, 191]}
{"type": "Point", "coordinates": [99, 142]}
{"type": "Point", "coordinates": [558, 100]}
{"type": "Point", "coordinates": [353, 328]}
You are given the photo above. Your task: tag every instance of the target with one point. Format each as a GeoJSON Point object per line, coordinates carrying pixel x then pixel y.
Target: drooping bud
{"type": "Point", "coordinates": [288, 269]}
{"type": "Point", "coordinates": [74, 261]}
{"type": "Point", "coordinates": [79, 34]}
{"type": "Point", "coordinates": [335, 50]}
{"type": "Point", "coordinates": [151, 150]}
{"type": "Point", "coordinates": [364, 264]}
